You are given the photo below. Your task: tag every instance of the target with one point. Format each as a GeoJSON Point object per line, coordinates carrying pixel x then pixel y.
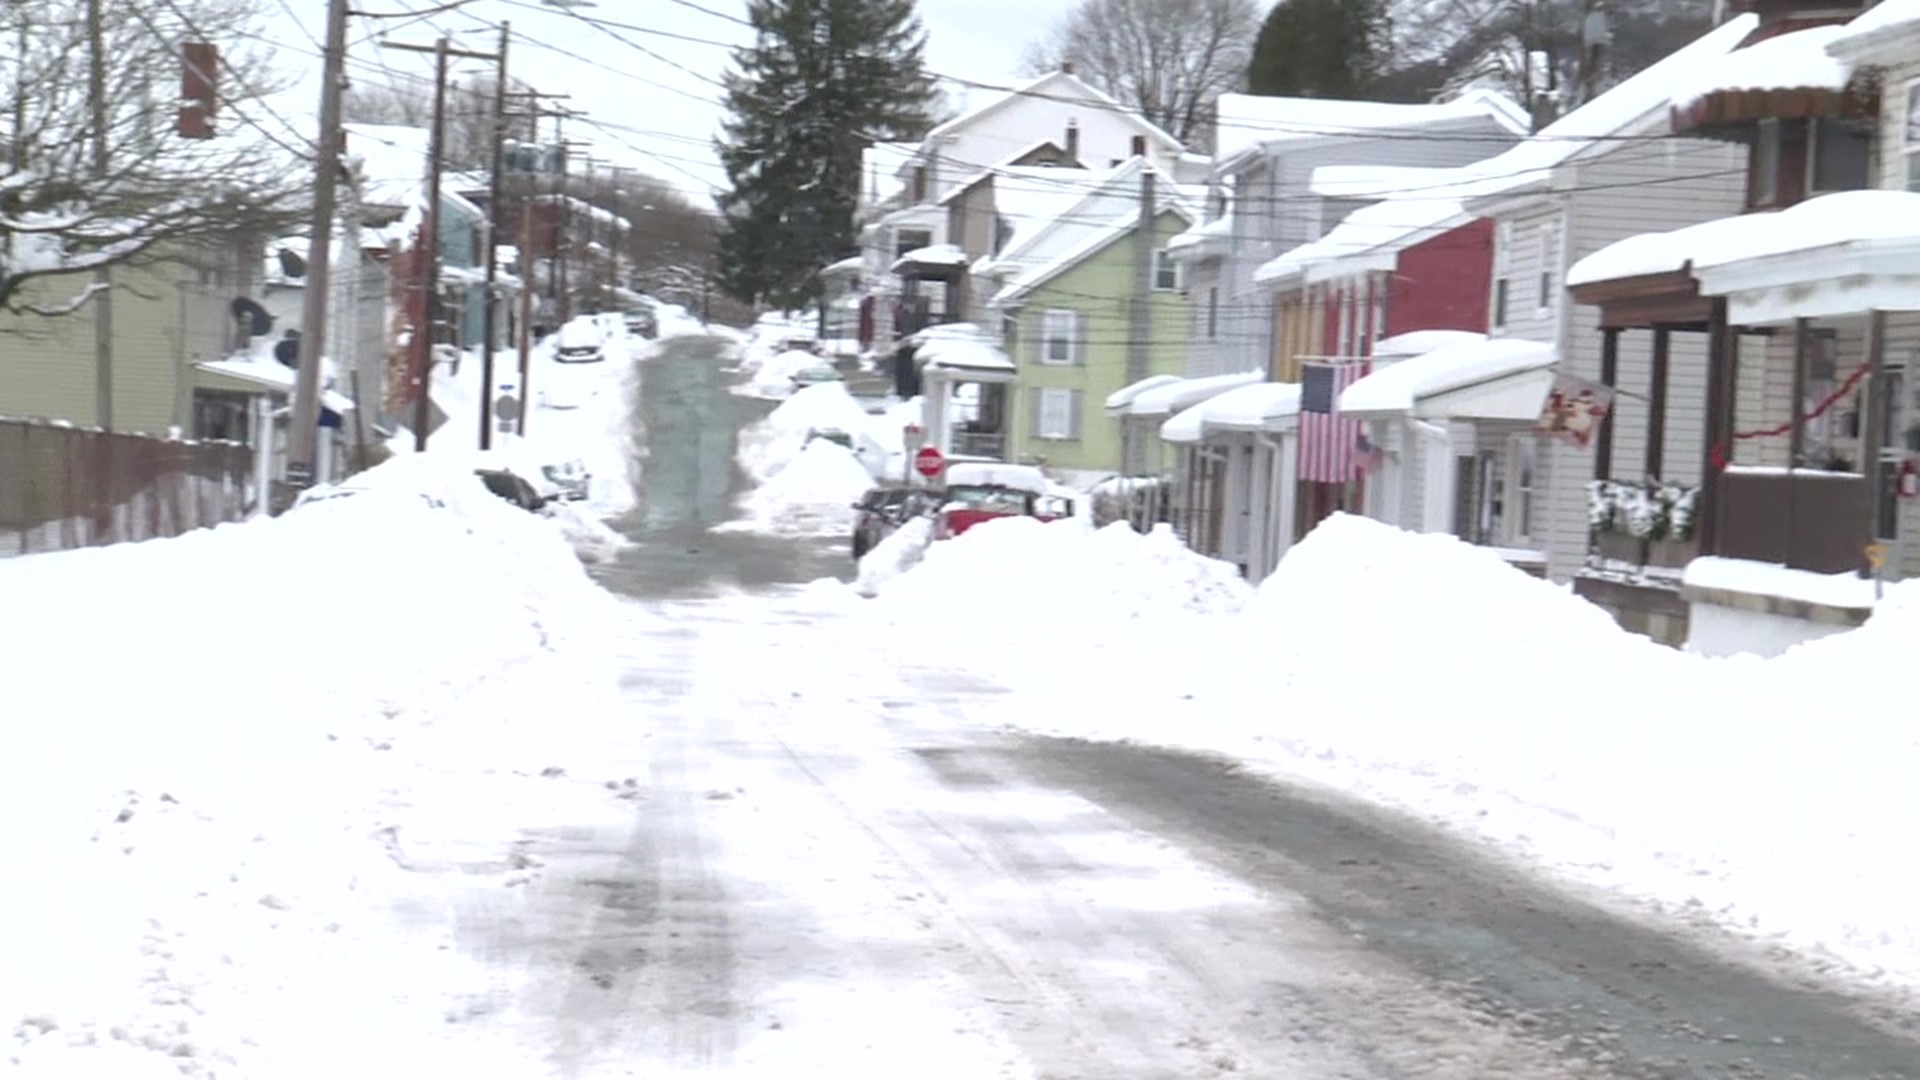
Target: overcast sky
{"type": "Point", "coordinates": [661, 110]}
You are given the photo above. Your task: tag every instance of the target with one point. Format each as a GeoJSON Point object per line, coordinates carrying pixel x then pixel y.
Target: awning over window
{"type": "Point", "coordinates": [1499, 379]}
{"type": "Point", "coordinates": [1257, 407]}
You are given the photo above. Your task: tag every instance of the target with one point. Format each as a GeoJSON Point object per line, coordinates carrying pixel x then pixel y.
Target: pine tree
{"type": "Point", "coordinates": [1319, 48]}
{"type": "Point", "coordinates": [822, 81]}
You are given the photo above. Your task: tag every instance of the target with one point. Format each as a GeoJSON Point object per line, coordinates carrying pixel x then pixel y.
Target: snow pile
{"type": "Point", "coordinates": [812, 495]}
{"type": "Point", "coordinates": [676, 321]}
{"type": "Point", "coordinates": [770, 335]}
{"type": "Point", "coordinates": [774, 378]}
{"type": "Point", "coordinates": [593, 542]}
{"type": "Point", "coordinates": [767, 446]}
{"type": "Point", "coordinates": [1009, 574]}
{"type": "Point", "coordinates": [241, 743]}
{"type": "Point", "coordinates": [898, 552]}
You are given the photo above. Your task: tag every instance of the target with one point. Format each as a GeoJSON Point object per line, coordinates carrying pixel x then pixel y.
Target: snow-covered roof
{"type": "Point", "coordinates": [1118, 401]}
{"type": "Point", "coordinates": [1373, 236]}
{"type": "Point", "coordinates": [1377, 181]}
{"type": "Point", "coordinates": [1254, 407]}
{"type": "Point", "coordinates": [1874, 218]}
{"type": "Point", "coordinates": [1067, 89]}
{"type": "Point", "coordinates": [1798, 60]}
{"type": "Point", "coordinates": [1094, 241]}
{"type": "Point", "coordinates": [1398, 388]}
{"type": "Point", "coordinates": [1247, 120]}
{"type": "Point", "coordinates": [1416, 342]}
{"type": "Point", "coordinates": [1185, 394]}
{"type": "Point", "coordinates": [959, 347]}
{"type": "Point", "coordinates": [1000, 473]}
{"type": "Point", "coordinates": [936, 255]}
{"type": "Point", "coordinates": [1219, 228]}
{"type": "Point", "coordinates": [1884, 31]}
{"type": "Point", "coordinates": [272, 377]}
{"type": "Point", "coordinates": [849, 265]}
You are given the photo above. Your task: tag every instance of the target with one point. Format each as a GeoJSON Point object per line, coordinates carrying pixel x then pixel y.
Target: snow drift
{"type": "Point", "coordinates": [812, 495]}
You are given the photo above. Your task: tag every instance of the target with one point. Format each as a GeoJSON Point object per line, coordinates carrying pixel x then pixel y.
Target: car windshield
{"type": "Point", "coordinates": [992, 500]}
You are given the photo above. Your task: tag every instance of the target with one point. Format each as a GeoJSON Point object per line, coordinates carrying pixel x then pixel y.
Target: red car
{"type": "Point", "coordinates": [980, 491]}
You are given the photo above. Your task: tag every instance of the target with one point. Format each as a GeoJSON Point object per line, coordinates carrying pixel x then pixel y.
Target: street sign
{"type": "Point", "coordinates": [506, 407]}
{"type": "Point", "coordinates": [929, 461]}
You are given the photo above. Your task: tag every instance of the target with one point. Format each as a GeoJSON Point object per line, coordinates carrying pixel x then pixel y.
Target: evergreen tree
{"type": "Point", "coordinates": [822, 81]}
{"type": "Point", "coordinates": [1319, 48]}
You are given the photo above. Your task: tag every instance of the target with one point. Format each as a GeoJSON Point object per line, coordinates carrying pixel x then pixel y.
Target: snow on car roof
{"type": "Point", "coordinates": [1023, 477]}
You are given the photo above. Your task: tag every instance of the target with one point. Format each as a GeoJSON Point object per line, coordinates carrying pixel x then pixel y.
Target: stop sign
{"type": "Point", "coordinates": [929, 461]}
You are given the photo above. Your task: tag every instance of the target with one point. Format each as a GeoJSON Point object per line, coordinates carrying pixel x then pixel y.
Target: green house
{"type": "Point", "coordinates": [1068, 324]}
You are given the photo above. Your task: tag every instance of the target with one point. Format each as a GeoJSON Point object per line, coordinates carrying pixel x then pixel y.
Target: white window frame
{"type": "Point", "coordinates": [1547, 278]}
{"type": "Point", "coordinates": [1051, 331]}
{"type": "Point", "coordinates": [1059, 402]}
{"type": "Point", "coordinates": [1165, 267]}
{"type": "Point", "coordinates": [1521, 491]}
{"type": "Point", "coordinates": [1910, 136]}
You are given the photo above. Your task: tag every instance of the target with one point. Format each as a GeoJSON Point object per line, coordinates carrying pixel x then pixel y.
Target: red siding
{"type": "Point", "coordinates": [1444, 283]}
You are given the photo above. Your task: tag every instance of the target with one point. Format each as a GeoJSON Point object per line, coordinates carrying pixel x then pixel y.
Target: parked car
{"type": "Point", "coordinates": [884, 509]}
{"type": "Point", "coordinates": [512, 487]}
{"type": "Point", "coordinates": [571, 478]}
{"type": "Point", "coordinates": [815, 374]}
{"type": "Point", "coordinates": [977, 491]}
{"type": "Point", "coordinates": [643, 322]}
{"type": "Point", "coordinates": [580, 342]}
{"type": "Point", "coordinates": [832, 435]}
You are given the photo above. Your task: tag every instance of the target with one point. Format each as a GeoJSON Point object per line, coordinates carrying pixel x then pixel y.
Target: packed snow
{"type": "Point", "coordinates": [811, 495]}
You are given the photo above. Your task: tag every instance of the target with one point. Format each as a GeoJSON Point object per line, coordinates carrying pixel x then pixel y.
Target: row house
{"type": "Point", "coordinates": [1800, 447]}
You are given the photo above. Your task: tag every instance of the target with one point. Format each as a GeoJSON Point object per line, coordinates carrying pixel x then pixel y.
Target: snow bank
{"type": "Point", "coordinates": [767, 446]}
{"type": "Point", "coordinates": [1012, 573]}
{"type": "Point", "coordinates": [774, 378]}
{"type": "Point", "coordinates": [900, 551]}
{"type": "Point", "coordinates": [234, 746]}
{"type": "Point", "coordinates": [812, 495]}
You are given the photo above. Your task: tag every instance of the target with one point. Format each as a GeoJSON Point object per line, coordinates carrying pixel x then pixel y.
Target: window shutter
{"type": "Point", "coordinates": [1073, 413]}
{"type": "Point", "coordinates": [1077, 335]}
{"type": "Point", "coordinates": [1036, 411]}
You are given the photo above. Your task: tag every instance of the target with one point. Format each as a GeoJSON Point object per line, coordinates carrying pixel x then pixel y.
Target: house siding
{"type": "Point", "coordinates": [1443, 283]}
{"type": "Point", "coordinates": [1109, 274]}
{"type": "Point", "coordinates": [164, 319]}
{"type": "Point", "coordinates": [1621, 192]}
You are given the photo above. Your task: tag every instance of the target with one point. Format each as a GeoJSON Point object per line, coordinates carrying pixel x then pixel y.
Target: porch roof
{"type": "Point", "coordinates": [1417, 342]}
{"type": "Point", "coordinates": [1794, 61]}
{"type": "Point", "coordinates": [1120, 400]}
{"type": "Point", "coordinates": [962, 348]}
{"type": "Point", "coordinates": [1173, 397]}
{"type": "Point", "coordinates": [247, 376]}
{"type": "Point", "coordinates": [1500, 379]}
{"type": "Point", "coordinates": [1844, 253]}
{"type": "Point", "coordinates": [943, 257]}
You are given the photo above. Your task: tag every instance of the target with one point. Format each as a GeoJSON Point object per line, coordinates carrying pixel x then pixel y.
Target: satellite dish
{"type": "Point", "coordinates": [247, 311]}
{"type": "Point", "coordinates": [291, 264]}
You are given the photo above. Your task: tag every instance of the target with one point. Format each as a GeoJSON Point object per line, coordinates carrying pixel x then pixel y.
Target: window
{"type": "Point", "coordinates": [1166, 272]}
{"type": "Point", "coordinates": [1764, 185]}
{"type": "Point", "coordinates": [1057, 414]}
{"type": "Point", "coordinates": [1060, 337]}
{"type": "Point", "coordinates": [905, 240]}
{"type": "Point", "coordinates": [1213, 312]}
{"type": "Point", "coordinates": [1502, 261]}
{"type": "Point", "coordinates": [1818, 434]}
{"type": "Point", "coordinates": [1002, 232]}
{"type": "Point", "coordinates": [1840, 156]}
{"type": "Point", "coordinates": [1910, 143]}
{"type": "Point", "coordinates": [1894, 411]}
{"type": "Point", "coordinates": [1521, 465]}
{"type": "Point", "coordinates": [1548, 243]}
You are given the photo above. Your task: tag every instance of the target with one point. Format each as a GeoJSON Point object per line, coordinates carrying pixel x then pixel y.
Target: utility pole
{"type": "Point", "coordinates": [1139, 344]}
{"type": "Point", "coordinates": [526, 313]}
{"type": "Point", "coordinates": [493, 239]}
{"type": "Point", "coordinates": [422, 342]}
{"type": "Point", "coordinates": [102, 277]}
{"type": "Point", "coordinates": [303, 441]}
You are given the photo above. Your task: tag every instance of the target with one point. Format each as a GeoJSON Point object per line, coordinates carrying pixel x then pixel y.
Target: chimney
{"type": "Point", "coordinates": [1139, 146]}
{"type": "Point", "coordinates": [1073, 140]}
{"type": "Point", "coordinates": [199, 89]}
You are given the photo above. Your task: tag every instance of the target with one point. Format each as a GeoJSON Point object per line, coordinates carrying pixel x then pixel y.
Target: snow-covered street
{"type": "Point", "coordinates": [722, 816]}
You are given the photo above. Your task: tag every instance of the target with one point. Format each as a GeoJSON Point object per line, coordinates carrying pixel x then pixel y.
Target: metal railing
{"type": "Point", "coordinates": [63, 487]}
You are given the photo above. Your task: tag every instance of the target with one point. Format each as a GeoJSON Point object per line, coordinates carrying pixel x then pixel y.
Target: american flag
{"type": "Point", "coordinates": [1329, 443]}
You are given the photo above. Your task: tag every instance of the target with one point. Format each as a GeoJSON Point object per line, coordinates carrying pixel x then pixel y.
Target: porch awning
{"type": "Point", "coordinates": [1500, 379]}
{"type": "Point", "coordinates": [1173, 397]}
{"type": "Point", "coordinates": [962, 349]}
{"type": "Point", "coordinates": [1257, 407]}
{"type": "Point", "coordinates": [938, 259]}
{"type": "Point", "coordinates": [1792, 61]}
{"type": "Point", "coordinates": [245, 376]}
{"type": "Point", "coordinates": [1122, 399]}
{"type": "Point", "coordinates": [1419, 342]}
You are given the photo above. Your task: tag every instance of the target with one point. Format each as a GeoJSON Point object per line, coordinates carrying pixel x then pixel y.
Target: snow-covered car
{"type": "Point", "coordinates": [814, 375]}
{"type": "Point", "coordinates": [884, 509]}
{"type": "Point", "coordinates": [512, 487]}
{"type": "Point", "coordinates": [581, 342]}
{"type": "Point", "coordinates": [570, 479]}
{"type": "Point", "coordinates": [833, 435]}
{"type": "Point", "coordinates": [641, 322]}
{"type": "Point", "coordinates": [977, 491]}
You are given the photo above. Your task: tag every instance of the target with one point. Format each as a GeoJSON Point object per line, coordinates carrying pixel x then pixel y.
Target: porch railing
{"type": "Point", "coordinates": [985, 444]}
{"type": "Point", "coordinates": [1806, 519]}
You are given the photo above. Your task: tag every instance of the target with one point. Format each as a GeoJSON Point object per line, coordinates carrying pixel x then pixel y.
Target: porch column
{"type": "Point", "coordinates": [1657, 404]}
{"type": "Point", "coordinates": [1871, 435]}
{"type": "Point", "coordinates": [1723, 360]}
{"type": "Point", "coordinates": [1797, 434]}
{"type": "Point", "coordinates": [1288, 495]}
{"type": "Point", "coordinates": [1610, 378]}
